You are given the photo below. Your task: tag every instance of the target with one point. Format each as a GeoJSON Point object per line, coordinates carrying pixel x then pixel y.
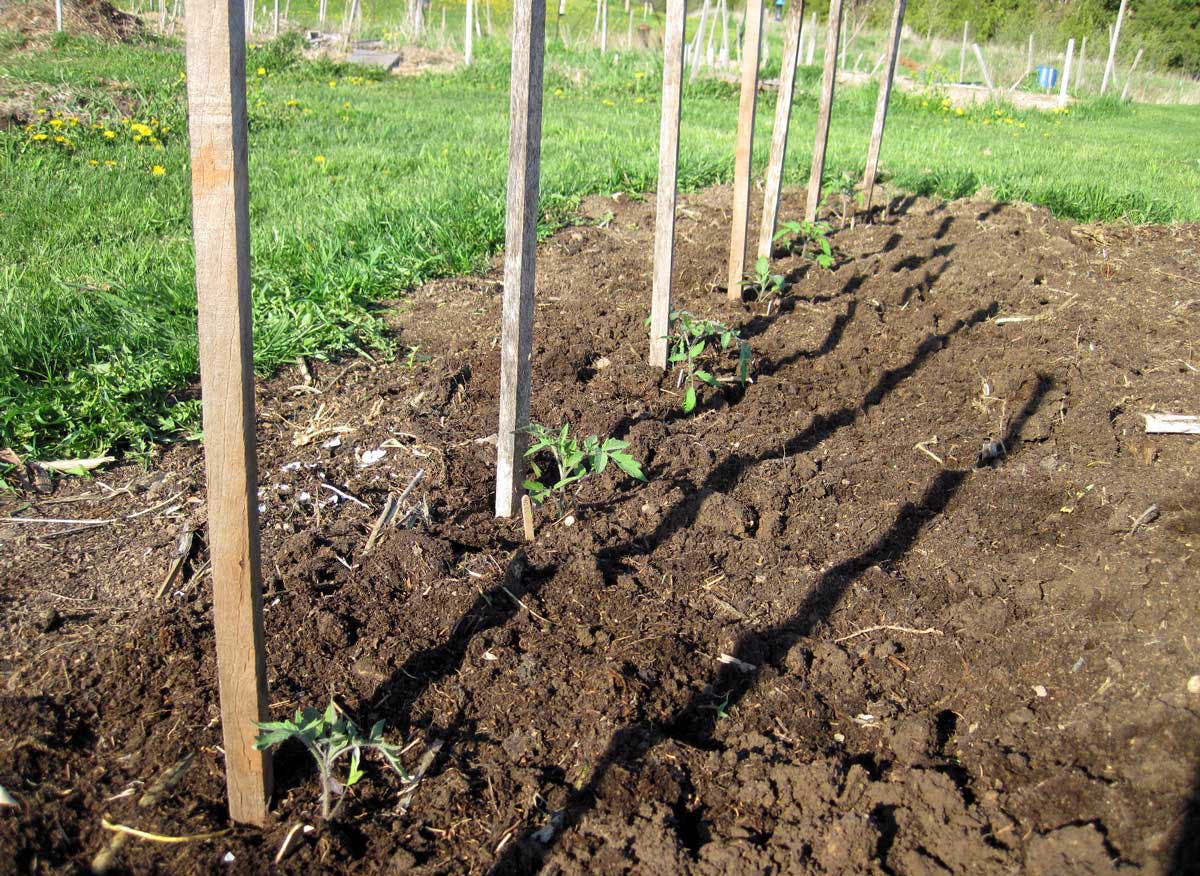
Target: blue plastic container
{"type": "Point", "coordinates": [1047, 77]}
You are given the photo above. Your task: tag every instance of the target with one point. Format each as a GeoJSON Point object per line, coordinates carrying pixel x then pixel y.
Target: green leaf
{"type": "Point", "coordinates": [355, 772]}
{"type": "Point", "coordinates": [629, 465]}
{"type": "Point", "coordinates": [689, 400]}
{"type": "Point", "coordinates": [697, 349]}
{"type": "Point", "coordinates": [274, 736]}
{"type": "Point", "coordinates": [331, 714]}
{"type": "Point", "coordinates": [706, 377]}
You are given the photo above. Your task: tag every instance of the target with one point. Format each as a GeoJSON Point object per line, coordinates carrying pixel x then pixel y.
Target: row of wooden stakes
{"type": "Point", "coordinates": [216, 63]}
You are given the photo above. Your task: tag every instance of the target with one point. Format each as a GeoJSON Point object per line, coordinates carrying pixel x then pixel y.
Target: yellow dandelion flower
{"type": "Point", "coordinates": [319, 159]}
{"type": "Point", "coordinates": [607, 102]}
{"type": "Point", "coordinates": [158, 170]}
{"type": "Point", "coordinates": [558, 92]}
{"type": "Point", "coordinates": [333, 83]}
{"type": "Point", "coordinates": [60, 139]}
{"type": "Point", "coordinates": [640, 100]}
{"type": "Point", "coordinates": [262, 71]}
{"type": "Point", "coordinates": [293, 102]}
{"type": "Point", "coordinates": [40, 137]}
{"type": "Point", "coordinates": [42, 112]}
{"type": "Point", "coordinates": [960, 111]}
{"type": "Point", "coordinates": [307, 111]}
{"type": "Point", "coordinates": [56, 123]}
{"type": "Point", "coordinates": [93, 162]}
{"type": "Point", "coordinates": [640, 74]}
{"type": "Point", "coordinates": [110, 163]}
{"type": "Point", "coordinates": [143, 130]}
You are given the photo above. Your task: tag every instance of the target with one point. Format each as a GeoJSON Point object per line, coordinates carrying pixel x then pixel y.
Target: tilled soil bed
{"type": "Point", "coordinates": [826, 637]}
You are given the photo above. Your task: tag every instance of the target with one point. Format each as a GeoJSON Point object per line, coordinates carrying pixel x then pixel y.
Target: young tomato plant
{"type": "Point", "coordinates": [809, 233]}
{"type": "Point", "coordinates": [770, 287]}
{"type": "Point", "coordinates": [328, 737]}
{"type": "Point", "coordinates": [695, 346]}
{"type": "Point", "coordinates": [573, 460]}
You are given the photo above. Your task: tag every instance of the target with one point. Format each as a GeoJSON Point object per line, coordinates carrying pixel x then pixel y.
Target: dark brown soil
{"type": "Point", "coordinates": [1032, 716]}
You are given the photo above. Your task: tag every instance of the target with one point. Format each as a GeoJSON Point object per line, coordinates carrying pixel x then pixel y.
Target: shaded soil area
{"type": "Point", "coordinates": [828, 636]}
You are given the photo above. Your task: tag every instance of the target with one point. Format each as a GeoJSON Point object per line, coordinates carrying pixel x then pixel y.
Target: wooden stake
{"type": "Point", "coordinates": [1110, 67]}
{"type": "Point", "coordinates": [694, 53]}
{"type": "Point", "coordinates": [604, 27]}
{"type": "Point", "coordinates": [1066, 79]}
{"type": "Point", "coordinates": [58, 15]}
{"type": "Point", "coordinates": [216, 71]}
{"type": "Point", "coordinates": [469, 38]}
{"type": "Point", "coordinates": [962, 53]}
{"type": "Point", "coordinates": [812, 39]}
{"type": "Point", "coordinates": [724, 56]}
{"type": "Point", "coordinates": [881, 104]}
{"type": "Point", "coordinates": [520, 247]}
{"type": "Point", "coordinates": [668, 171]}
{"type": "Point", "coordinates": [745, 149]}
{"type": "Point", "coordinates": [987, 77]}
{"type": "Point", "coordinates": [826, 111]}
{"type": "Point", "coordinates": [275, 20]}
{"type": "Point", "coordinates": [1129, 78]}
{"type": "Point", "coordinates": [779, 133]}
{"type": "Point", "coordinates": [1079, 66]}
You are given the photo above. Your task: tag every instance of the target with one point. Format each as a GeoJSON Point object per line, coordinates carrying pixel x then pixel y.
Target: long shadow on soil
{"type": "Point", "coordinates": [1185, 858]}
{"type": "Point", "coordinates": [694, 723]}
{"type": "Point", "coordinates": [492, 609]}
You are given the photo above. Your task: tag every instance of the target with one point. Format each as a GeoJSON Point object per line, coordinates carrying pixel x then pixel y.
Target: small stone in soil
{"type": "Point", "coordinates": [1193, 684]}
{"type": "Point", "coordinates": [1022, 715]}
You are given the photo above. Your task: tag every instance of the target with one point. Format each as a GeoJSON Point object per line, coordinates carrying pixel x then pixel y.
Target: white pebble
{"type": "Point", "coordinates": [1039, 690]}
{"type": "Point", "coordinates": [1194, 684]}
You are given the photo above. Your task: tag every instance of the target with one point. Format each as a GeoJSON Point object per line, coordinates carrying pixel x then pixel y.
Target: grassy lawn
{"type": "Point", "coordinates": [363, 186]}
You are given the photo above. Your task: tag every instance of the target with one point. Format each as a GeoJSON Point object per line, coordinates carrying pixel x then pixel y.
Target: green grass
{"type": "Point", "coordinates": [362, 188]}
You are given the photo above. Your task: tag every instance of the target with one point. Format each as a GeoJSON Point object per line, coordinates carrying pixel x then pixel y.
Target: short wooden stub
{"type": "Point", "coordinates": [668, 174]}
{"type": "Point", "coordinates": [216, 73]}
{"type": "Point", "coordinates": [779, 134]}
{"type": "Point", "coordinates": [527, 517]}
{"type": "Point", "coordinates": [745, 149]}
{"type": "Point", "coordinates": [881, 104]}
{"type": "Point", "coordinates": [520, 247]}
{"type": "Point", "coordinates": [828, 80]}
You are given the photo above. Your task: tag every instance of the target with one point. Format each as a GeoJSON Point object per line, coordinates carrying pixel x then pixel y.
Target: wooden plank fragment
{"type": "Point", "coordinates": [745, 149]}
{"type": "Point", "coordinates": [216, 75]}
{"type": "Point", "coordinates": [1172, 424]}
{"type": "Point", "coordinates": [520, 248]}
{"type": "Point", "coordinates": [668, 173]}
{"type": "Point", "coordinates": [826, 111]}
{"type": "Point", "coordinates": [881, 104]}
{"type": "Point", "coordinates": [779, 133]}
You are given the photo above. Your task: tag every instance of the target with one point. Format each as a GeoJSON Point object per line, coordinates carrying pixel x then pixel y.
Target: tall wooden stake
{"type": "Point", "coordinates": [812, 40]}
{"type": "Point", "coordinates": [1110, 66]}
{"type": "Point", "coordinates": [1129, 78]}
{"type": "Point", "coordinates": [745, 149]}
{"type": "Point", "coordinates": [962, 53]}
{"type": "Point", "coordinates": [520, 248]}
{"type": "Point", "coordinates": [1063, 97]}
{"type": "Point", "coordinates": [1079, 67]}
{"type": "Point", "coordinates": [604, 28]}
{"type": "Point", "coordinates": [469, 37]}
{"type": "Point", "coordinates": [779, 133]}
{"type": "Point", "coordinates": [826, 111]}
{"type": "Point", "coordinates": [216, 71]}
{"type": "Point", "coordinates": [881, 104]}
{"type": "Point", "coordinates": [987, 76]}
{"type": "Point", "coordinates": [668, 171]}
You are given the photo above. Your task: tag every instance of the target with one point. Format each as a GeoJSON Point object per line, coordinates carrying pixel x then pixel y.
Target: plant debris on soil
{"type": "Point", "coordinates": [894, 607]}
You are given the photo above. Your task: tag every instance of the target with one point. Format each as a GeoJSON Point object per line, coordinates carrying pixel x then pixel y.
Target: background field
{"type": "Point", "coordinates": [363, 186]}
